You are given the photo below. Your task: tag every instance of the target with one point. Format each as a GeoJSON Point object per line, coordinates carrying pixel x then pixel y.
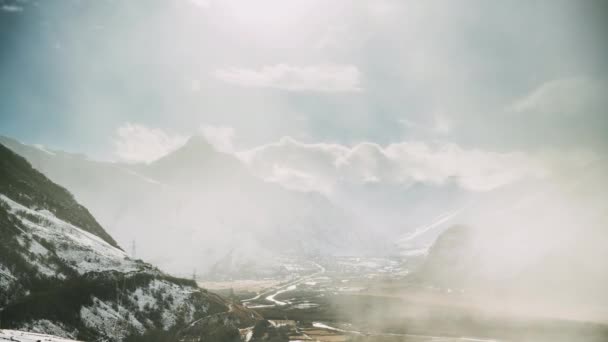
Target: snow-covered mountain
{"type": "Point", "coordinates": [62, 274]}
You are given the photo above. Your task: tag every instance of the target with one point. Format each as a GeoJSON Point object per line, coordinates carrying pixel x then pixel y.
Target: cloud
{"type": "Point", "coordinates": [138, 143]}
{"type": "Point", "coordinates": [297, 180]}
{"type": "Point", "coordinates": [318, 78]}
{"type": "Point", "coordinates": [11, 8]}
{"type": "Point", "coordinates": [569, 97]}
{"type": "Point", "coordinates": [319, 167]}
{"type": "Point", "coordinates": [569, 112]}
{"type": "Point", "coordinates": [221, 137]}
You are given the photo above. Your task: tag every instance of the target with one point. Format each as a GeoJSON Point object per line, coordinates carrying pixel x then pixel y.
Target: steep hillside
{"type": "Point", "coordinates": [61, 273]}
{"type": "Point", "coordinates": [18, 180]}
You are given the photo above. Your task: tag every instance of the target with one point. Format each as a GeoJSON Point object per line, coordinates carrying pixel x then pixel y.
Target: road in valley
{"type": "Point", "coordinates": [270, 294]}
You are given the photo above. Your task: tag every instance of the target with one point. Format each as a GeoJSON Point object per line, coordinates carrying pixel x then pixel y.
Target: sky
{"type": "Point", "coordinates": [472, 82]}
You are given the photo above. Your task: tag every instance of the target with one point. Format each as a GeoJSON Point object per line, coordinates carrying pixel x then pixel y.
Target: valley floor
{"type": "Point", "coordinates": [369, 299]}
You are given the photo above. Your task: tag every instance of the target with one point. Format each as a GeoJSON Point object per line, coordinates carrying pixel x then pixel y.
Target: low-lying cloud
{"type": "Point", "coordinates": [319, 167]}
{"type": "Point", "coordinates": [221, 137]}
{"type": "Point", "coordinates": [139, 143]}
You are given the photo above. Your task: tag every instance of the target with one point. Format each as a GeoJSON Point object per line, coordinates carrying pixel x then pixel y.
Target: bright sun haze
{"type": "Point", "coordinates": [303, 170]}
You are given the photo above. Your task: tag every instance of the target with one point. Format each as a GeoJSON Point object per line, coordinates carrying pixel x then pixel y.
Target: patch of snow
{"type": "Point", "coordinates": [143, 298]}
{"type": "Point", "coordinates": [259, 306]}
{"type": "Point", "coordinates": [246, 334]}
{"type": "Point", "coordinates": [103, 317]}
{"type": "Point", "coordinates": [6, 277]}
{"type": "Point", "coordinates": [277, 323]}
{"type": "Point", "coordinates": [44, 326]}
{"type": "Point", "coordinates": [37, 248]}
{"type": "Point", "coordinates": [327, 327]}
{"type": "Point", "coordinates": [305, 305]}
{"type": "Point", "coordinates": [180, 300]}
{"type": "Point", "coordinates": [82, 250]}
{"type": "Point", "coordinates": [23, 336]}
{"type": "Point", "coordinates": [37, 257]}
{"type": "Point", "coordinates": [46, 212]}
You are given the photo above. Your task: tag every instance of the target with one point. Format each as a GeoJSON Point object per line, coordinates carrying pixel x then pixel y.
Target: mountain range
{"type": "Point", "coordinates": [196, 206]}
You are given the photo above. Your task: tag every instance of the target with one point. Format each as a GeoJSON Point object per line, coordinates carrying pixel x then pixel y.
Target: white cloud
{"type": "Point", "coordinates": [319, 167]}
{"type": "Point", "coordinates": [320, 78]}
{"type": "Point", "coordinates": [138, 143]}
{"type": "Point", "coordinates": [569, 96]}
{"type": "Point", "coordinates": [221, 137]}
{"type": "Point", "coordinates": [297, 180]}
{"type": "Point", "coordinates": [11, 8]}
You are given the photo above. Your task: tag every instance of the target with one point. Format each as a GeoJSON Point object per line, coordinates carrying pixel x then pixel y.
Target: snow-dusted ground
{"type": "Point", "coordinates": [22, 336]}
{"type": "Point", "coordinates": [84, 251]}
{"type": "Point", "coordinates": [179, 300]}
{"type": "Point", "coordinates": [118, 320]}
{"type": "Point", "coordinates": [6, 277]}
{"type": "Point", "coordinates": [45, 326]}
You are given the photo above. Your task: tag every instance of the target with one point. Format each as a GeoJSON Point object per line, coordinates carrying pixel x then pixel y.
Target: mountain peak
{"type": "Point", "coordinates": [196, 149]}
{"type": "Point", "coordinates": [199, 142]}
{"type": "Point", "coordinates": [196, 160]}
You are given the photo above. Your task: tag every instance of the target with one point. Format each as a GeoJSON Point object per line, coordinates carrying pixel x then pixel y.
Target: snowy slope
{"type": "Point", "coordinates": [23, 336]}
{"type": "Point", "coordinates": [83, 251]}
